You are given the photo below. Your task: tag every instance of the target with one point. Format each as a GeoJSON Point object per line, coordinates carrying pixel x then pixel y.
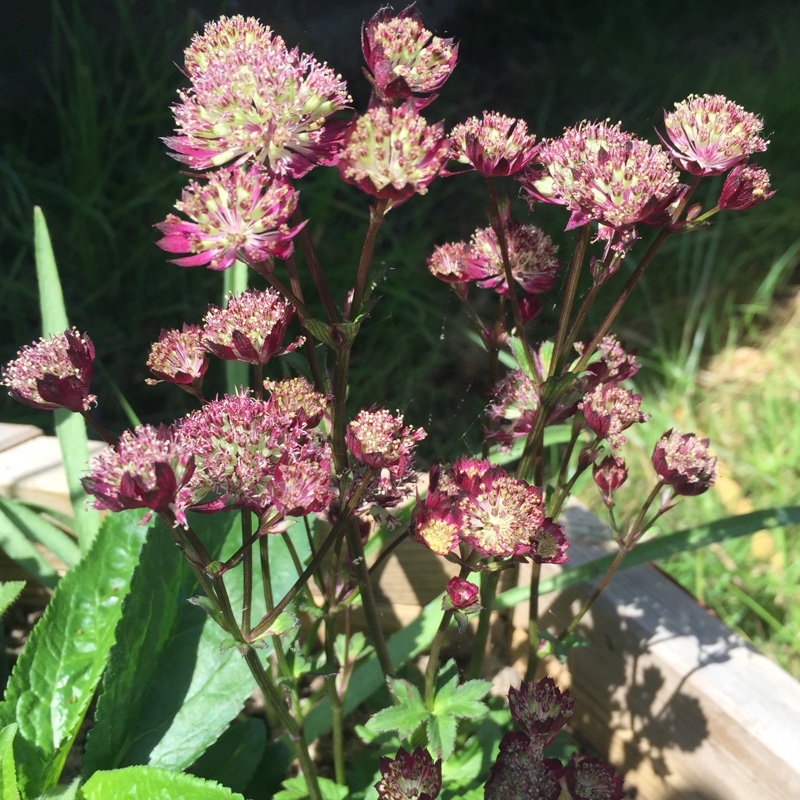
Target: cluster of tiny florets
{"type": "Point", "coordinates": [409, 776]}
{"type": "Point", "coordinates": [609, 409]}
{"type": "Point", "coordinates": [495, 145]}
{"type": "Point", "coordinates": [179, 356]}
{"type": "Point", "coordinates": [297, 399]}
{"type": "Point", "coordinates": [746, 185]}
{"type": "Point", "coordinates": [683, 461]}
{"type": "Point", "coordinates": [382, 440]}
{"type": "Point", "coordinates": [254, 99]}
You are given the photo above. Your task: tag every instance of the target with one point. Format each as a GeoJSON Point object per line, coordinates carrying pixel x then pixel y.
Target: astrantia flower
{"type": "Point", "coordinates": [586, 778]}
{"type": "Point", "coordinates": [461, 593]}
{"type": "Point", "coordinates": [522, 771]}
{"type": "Point", "coordinates": [255, 458]}
{"type": "Point", "coordinates": [540, 709]}
{"type": "Point", "coordinates": [147, 468]}
{"type": "Point", "coordinates": [253, 99]}
{"type": "Point", "coordinates": [710, 134]}
{"type": "Point", "coordinates": [683, 462]}
{"type": "Point", "coordinates": [746, 185]}
{"type": "Point", "coordinates": [410, 776]}
{"type": "Point", "coordinates": [495, 146]}
{"type": "Point", "coordinates": [611, 363]}
{"type": "Point", "coordinates": [531, 253]}
{"type": "Point", "coordinates": [178, 356]}
{"type": "Point", "coordinates": [609, 475]}
{"type": "Point", "coordinates": [447, 262]}
{"type": "Point", "coordinates": [53, 373]}
{"type": "Point", "coordinates": [297, 399]}
{"type": "Point", "coordinates": [549, 543]}
{"type": "Point", "coordinates": [403, 56]}
{"type": "Point", "coordinates": [251, 328]}
{"type": "Point", "coordinates": [392, 153]}
{"type": "Point", "coordinates": [238, 211]}
{"type": "Point", "coordinates": [382, 441]}
{"type": "Point", "coordinates": [609, 410]}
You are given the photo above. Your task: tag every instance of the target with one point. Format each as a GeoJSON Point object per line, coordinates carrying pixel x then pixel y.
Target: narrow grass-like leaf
{"type": "Point", "coordinates": [53, 681]}
{"type": "Point", "coordinates": [70, 428]}
{"type": "Point", "coordinates": [234, 281]}
{"type": "Point", "coordinates": [8, 769]}
{"type": "Point", "coordinates": [9, 592]}
{"type": "Point", "coordinates": [662, 546]}
{"type": "Point", "coordinates": [39, 531]}
{"type": "Point", "coordinates": [168, 692]}
{"type": "Point", "coordinates": [147, 783]}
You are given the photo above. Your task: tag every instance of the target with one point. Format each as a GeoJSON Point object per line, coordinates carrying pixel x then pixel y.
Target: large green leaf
{"type": "Point", "coordinates": [168, 692]}
{"type": "Point", "coordinates": [661, 546]}
{"type": "Point", "coordinates": [70, 428]}
{"type": "Point", "coordinates": [8, 769]}
{"type": "Point", "coordinates": [150, 783]}
{"type": "Point", "coordinates": [54, 679]}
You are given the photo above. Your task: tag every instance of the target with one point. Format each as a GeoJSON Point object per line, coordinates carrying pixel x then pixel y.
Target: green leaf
{"type": "Point", "coordinates": [62, 792]}
{"type": "Point", "coordinates": [442, 735]}
{"type": "Point", "coordinates": [8, 769]}
{"type": "Point", "coordinates": [296, 789]}
{"type": "Point", "coordinates": [17, 519]}
{"type": "Point", "coordinates": [234, 758]}
{"type": "Point", "coordinates": [54, 680]}
{"type": "Point", "coordinates": [464, 701]}
{"type": "Point", "coordinates": [9, 592]}
{"type": "Point", "coordinates": [405, 717]}
{"type": "Point", "coordinates": [151, 783]}
{"type": "Point", "coordinates": [70, 428]}
{"type": "Point", "coordinates": [169, 692]}
{"type": "Point", "coordinates": [661, 546]}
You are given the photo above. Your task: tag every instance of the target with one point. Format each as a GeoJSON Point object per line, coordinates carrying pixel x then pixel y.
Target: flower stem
{"type": "Point", "coordinates": [376, 215]}
{"type": "Point", "coordinates": [533, 622]}
{"type": "Point", "coordinates": [315, 268]}
{"type": "Point", "coordinates": [247, 572]}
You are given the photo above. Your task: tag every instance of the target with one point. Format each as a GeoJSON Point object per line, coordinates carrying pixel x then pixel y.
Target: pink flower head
{"type": "Point", "coordinates": [147, 468]}
{"type": "Point", "coordinates": [461, 594]}
{"type": "Point", "coordinates": [501, 515]}
{"type": "Point", "coordinates": [549, 543]}
{"type": "Point", "coordinates": [531, 253]}
{"type": "Point", "coordinates": [710, 134]}
{"type": "Point", "coordinates": [437, 522]}
{"type": "Point", "coordinates": [404, 57]}
{"type": "Point", "coordinates": [604, 174]}
{"type": "Point", "coordinates": [296, 398]}
{"type": "Point", "coordinates": [611, 363]}
{"type": "Point", "coordinates": [683, 461]}
{"type": "Point", "coordinates": [448, 261]}
{"type": "Point", "coordinates": [409, 776]}
{"type": "Point", "coordinates": [242, 210]}
{"type": "Point", "coordinates": [609, 410]}
{"type": "Point", "coordinates": [513, 409]}
{"type": "Point", "coordinates": [540, 709]}
{"type": "Point", "coordinates": [254, 458]}
{"type": "Point", "coordinates": [746, 185]}
{"type": "Point", "coordinates": [522, 771]}
{"type": "Point", "coordinates": [590, 778]}
{"type": "Point", "coordinates": [179, 356]}
{"type": "Point", "coordinates": [609, 475]}
{"type": "Point", "coordinates": [251, 329]}
{"type": "Point", "coordinates": [53, 373]}
{"type": "Point", "coordinates": [382, 441]}
{"type": "Point", "coordinates": [253, 99]}
{"type": "Point", "coordinates": [495, 146]}
{"type": "Point", "coordinates": [392, 153]}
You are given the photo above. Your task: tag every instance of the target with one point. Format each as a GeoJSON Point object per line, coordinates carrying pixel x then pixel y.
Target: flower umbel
{"type": "Point", "coordinates": [179, 356]}
{"type": "Point", "coordinates": [683, 461]}
{"type": "Point", "coordinates": [495, 145]}
{"type": "Point", "coordinates": [410, 776]}
{"type": "Point", "coordinates": [392, 153]}
{"type": "Point", "coordinates": [746, 185]}
{"type": "Point", "coordinates": [710, 134]}
{"type": "Point", "coordinates": [403, 56]}
{"type": "Point", "coordinates": [251, 328]}
{"type": "Point", "coordinates": [238, 211]}
{"type": "Point", "coordinates": [53, 373]}
{"type": "Point", "coordinates": [540, 709]}
{"type": "Point", "coordinates": [609, 410]}
{"type": "Point", "coordinates": [254, 99]}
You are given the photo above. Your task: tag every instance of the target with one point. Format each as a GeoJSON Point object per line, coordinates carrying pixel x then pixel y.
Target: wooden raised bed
{"type": "Point", "coordinates": [681, 705]}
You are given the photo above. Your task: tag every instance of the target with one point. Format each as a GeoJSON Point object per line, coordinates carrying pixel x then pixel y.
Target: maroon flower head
{"type": "Point", "coordinates": [461, 593]}
{"type": "Point", "coordinates": [611, 363]}
{"type": "Point", "coordinates": [382, 441]}
{"type": "Point", "coordinates": [296, 398]}
{"type": "Point", "coordinates": [609, 410]}
{"type": "Point", "coordinates": [178, 356]}
{"type": "Point", "coordinates": [253, 99]}
{"type": "Point", "coordinates": [746, 185]}
{"type": "Point", "coordinates": [53, 373]}
{"type": "Point", "coordinates": [239, 213]}
{"type": "Point", "coordinates": [392, 153]}
{"type": "Point", "coordinates": [436, 522]}
{"type": "Point", "coordinates": [540, 709]}
{"type": "Point", "coordinates": [251, 328]}
{"type": "Point", "coordinates": [609, 475]}
{"type": "Point", "coordinates": [521, 771]}
{"type": "Point", "coordinates": [683, 461]}
{"type": "Point", "coordinates": [710, 134]}
{"type": "Point", "coordinates": [495, 145]}
{"type": "Point", "coordinates": [410, 776]}
{"type": "Point", "coordinates": [404, 57]}
{"type": "Point", "coordinates": [549, 543]}
{"type": "Point", "coordinates": [587, 778]}
{"type": "Point", "coordinates": [147, 468]}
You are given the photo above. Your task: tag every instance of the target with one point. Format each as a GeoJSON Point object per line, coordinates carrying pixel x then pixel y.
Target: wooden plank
{"type": "Point", "coordinates": [12, 435]}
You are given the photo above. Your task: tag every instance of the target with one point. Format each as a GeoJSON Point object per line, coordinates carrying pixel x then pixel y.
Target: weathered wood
{"type": "Point", "coordinates": [12, 435]}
